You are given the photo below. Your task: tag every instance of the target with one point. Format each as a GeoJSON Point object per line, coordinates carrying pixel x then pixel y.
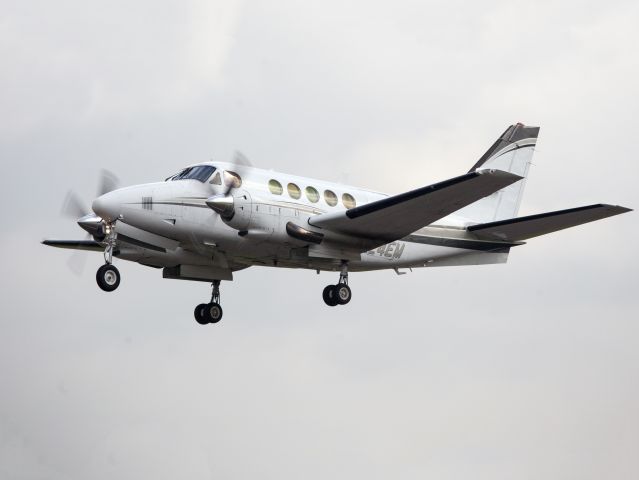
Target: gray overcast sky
{"type": "Point", "coordinates": [524, 370]}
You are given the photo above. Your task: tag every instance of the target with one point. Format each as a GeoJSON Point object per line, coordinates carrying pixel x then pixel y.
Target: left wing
{"type": "Point", "coordinates": [523, 228]}
{"type": "Point", "coordinates": [395, 217]}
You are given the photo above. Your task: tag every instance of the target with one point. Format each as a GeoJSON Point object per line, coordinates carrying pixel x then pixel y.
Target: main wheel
{"type": "Point", "coordinates": [329, 296]}
{"type": "Point", "coordinates": [198, 313]}
{"type": "Point", "coordinates": [213, 312]}
{"type": "Point", "coordinates": [108, 277]}
{"type": "Point", "coordinates": [343, 293]}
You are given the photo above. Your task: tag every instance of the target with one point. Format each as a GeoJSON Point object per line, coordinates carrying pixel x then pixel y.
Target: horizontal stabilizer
{"type": "Point", "coordinates": [75, 244]}
{"type": "Point", "coordinates": [394, 217]}
{"type": "Point", "coordinates": [522, 228]}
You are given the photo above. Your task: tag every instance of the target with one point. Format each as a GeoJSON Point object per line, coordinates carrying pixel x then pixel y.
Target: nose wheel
{"type": "Point", "coordinates": [210, 312]}
{"type": "Point", "coordinates": [339, 294]}
{"type": "Point", "coordinates": [108, 277]}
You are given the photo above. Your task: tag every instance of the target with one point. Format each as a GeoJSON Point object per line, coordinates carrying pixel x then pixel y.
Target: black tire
{"type": "Point", "coordinates": [213, 312]}
{"type": "Point", "coordinates": [108, 277]}
{"type": "Point", "coordinates": [329, 296]}
{"type": "Point", "coordinates": [342, 293]}
{"type": "Point", "coordinates": [198, 313]}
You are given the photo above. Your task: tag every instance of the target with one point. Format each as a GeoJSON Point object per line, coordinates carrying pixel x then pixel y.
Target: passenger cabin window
{"type": "Point", "coordinates": [232, 179]}
{"type": "Point", "coordinates": [348, 201]}
{"type": "Point", "coordinates": [312, 194]}
{"type": "Point", "coordinates": [294, 191]}
{"type": "Point", "coordinates": [200, 173]}
{"type": "Point", "coordinates": [330, 198]}
{"type": "Point", "coordinates": [275, 187]}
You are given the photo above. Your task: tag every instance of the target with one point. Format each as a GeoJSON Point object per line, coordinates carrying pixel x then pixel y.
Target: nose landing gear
{"type": "Point", "coordinates": [107, 276]}
{"type": "Point", "coordinates": [339, 294]}
{"type": "Point", "coordinates": [210, 312]}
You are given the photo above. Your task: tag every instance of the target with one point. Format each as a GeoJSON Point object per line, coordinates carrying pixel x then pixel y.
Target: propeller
{"type": "Point", "coordinates": [73, 207]}
{"type": "Point", "coordinates": [108, 182]}
{"type": "Point", "coordinates": [223, 203]}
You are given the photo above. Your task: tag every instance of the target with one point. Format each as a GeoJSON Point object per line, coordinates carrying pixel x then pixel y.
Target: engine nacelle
{"type": "Point", "coordinates": [235, 209]}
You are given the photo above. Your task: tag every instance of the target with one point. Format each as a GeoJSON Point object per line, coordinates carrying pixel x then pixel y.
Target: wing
{"type": "Point", "coordinates": [75, 244]}
{"type": "Point", "coordinates": [522, 228]}
{"type": "Point", "coordinates": [127, 235]}
{"type": "Point", "coordinates": [395, 217]}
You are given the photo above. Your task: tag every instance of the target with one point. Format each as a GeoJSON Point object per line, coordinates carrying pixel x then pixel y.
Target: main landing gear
{"type": "Point", "coordinates": [210, 312]}
{"type": "Point", "coordinates": [339, 294]}
{"type": "Point", "coordinates": [107, 276]}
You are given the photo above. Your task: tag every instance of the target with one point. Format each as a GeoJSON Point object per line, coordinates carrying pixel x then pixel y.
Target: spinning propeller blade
{"type": "Point", "coordinates": [108, 182]}
{"type": "Point", "coordinates": [73, 207]}
{"type": "Point", "coordinates": [78, 259]}
{"type": "Point", "coordinates": [240, 159]}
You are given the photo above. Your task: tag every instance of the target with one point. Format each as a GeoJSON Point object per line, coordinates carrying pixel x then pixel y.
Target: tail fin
{"type": "Point", "coordinates": [512, 152]}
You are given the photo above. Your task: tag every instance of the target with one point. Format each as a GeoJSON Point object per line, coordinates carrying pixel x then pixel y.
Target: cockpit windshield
{"type": "Point", "coordinates": [199, 172]}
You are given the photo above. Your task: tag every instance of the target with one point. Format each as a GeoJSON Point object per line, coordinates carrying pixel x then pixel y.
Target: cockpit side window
{"type": "Point", "coordinates": [217, 179]}
{"type": "Point", "coordinates": [200, 173]}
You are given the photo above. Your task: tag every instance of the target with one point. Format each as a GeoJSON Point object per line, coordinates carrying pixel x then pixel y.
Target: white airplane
{"type": "Point", "coordinates": [212, 219]}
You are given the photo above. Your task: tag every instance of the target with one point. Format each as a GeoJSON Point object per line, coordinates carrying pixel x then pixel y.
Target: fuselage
{"type": "Point", "coordinates": [171, 224]}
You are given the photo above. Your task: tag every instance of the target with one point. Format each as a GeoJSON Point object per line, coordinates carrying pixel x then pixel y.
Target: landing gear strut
{"type": "Point", "coordinates": [339, 294]}
{"type": "Point", "coordinates": [107, 276]}
{"type": "Point", "coordinates": [210, 312]}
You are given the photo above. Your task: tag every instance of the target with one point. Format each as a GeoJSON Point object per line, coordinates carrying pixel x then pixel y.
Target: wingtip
{"type": "Point", "coordinates": [616, 209]}
{"type": "Point", "coordinates": [621, 209]}
{"type": "Point", "coordinates": [500, 173]}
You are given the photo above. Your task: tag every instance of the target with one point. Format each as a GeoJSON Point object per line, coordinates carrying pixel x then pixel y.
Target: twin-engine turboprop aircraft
{"type": "Point", "coordinates": [212, 219]}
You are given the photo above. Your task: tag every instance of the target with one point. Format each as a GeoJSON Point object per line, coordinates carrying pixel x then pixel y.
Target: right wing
{"type": "Point", "coordinates": [75, 244]}
{"type": "Point", "coordinates": [395, 217]}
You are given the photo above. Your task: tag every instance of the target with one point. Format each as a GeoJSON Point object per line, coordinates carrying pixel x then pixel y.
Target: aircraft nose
{"type": "Point", "coordinates": [107, 206]}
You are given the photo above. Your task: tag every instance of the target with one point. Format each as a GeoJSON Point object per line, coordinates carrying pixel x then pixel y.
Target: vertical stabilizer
{"type": "Point", "coordinates": [512, 152]}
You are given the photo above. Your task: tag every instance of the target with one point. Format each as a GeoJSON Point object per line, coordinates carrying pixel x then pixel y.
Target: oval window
{"type": "Point", "coordinates": [294, 191]}
{"type": "Point", "coordinates": [275, 187]}
{"type": "Point", "coordinates": [330, 198]}
{"type": "Point", "coordinates": [348, 200]}
{"type": "Point", "coordinates": [312, 195]}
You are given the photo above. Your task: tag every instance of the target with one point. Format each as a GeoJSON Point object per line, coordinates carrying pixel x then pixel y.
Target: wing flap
{"type": "Point", "coordinates": [396, 216]}
{"type": "Point", "coordinates": [522, 228]}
